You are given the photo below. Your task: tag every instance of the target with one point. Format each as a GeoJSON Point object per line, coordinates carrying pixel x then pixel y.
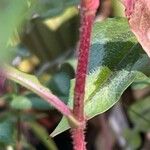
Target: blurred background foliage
{"type": "Point", "coordinates": [36, 37]}
{"type": "Point", "coordinates": [40, 37]}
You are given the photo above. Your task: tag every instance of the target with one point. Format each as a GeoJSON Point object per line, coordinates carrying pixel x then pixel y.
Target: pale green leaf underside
{"type": "Point", "coordinates": [116, 60]}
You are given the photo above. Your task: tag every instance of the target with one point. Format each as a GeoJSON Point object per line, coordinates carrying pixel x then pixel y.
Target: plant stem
{"type": "Point", "coordinates": [26, 81]}
{"type": "Point", "coordinates": [88, 9]}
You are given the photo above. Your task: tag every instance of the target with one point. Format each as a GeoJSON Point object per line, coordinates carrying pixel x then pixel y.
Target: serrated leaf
{"type": "Point", "coordinates": [116, 60]}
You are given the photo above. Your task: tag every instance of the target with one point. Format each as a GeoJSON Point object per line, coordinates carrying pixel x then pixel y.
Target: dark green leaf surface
{"type": "Point", "coordinates": [116, 60]}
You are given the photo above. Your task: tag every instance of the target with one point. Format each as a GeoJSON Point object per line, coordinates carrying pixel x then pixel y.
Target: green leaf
{"type": "Point", "coordinates": [6, 131]}
{"type": "Point", "coordinates": [116, 60]}
{"type": "Point", "coordinates": [21, 102]}
{"type": "Point", "coordinates": [12, 13]}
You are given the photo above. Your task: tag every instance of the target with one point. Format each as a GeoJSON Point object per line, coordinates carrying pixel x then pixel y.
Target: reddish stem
{"type": "Point", "coordinates": [36, 87]}
{"type": "Point", "coordinates": [88, 9]}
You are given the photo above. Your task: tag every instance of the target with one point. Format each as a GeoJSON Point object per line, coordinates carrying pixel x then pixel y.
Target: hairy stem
{"type": "Point", "coordinates": [88, 9]}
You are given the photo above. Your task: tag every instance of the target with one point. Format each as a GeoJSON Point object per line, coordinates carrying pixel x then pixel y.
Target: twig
{"type": "Point", "coordinates": [35, 86]}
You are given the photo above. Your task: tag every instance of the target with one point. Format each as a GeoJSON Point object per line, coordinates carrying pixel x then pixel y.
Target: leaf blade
{"type": "Point", "coordinates": [116, 54]}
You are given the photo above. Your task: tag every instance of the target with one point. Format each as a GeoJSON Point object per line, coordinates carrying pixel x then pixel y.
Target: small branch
{"type": "Point", "coordinates": [88, 10]}
{"type": "Point", "coordinates": [31, 83]}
